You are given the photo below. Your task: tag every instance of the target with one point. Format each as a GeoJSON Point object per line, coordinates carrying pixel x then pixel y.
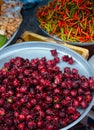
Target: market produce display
{"type": "Point", "coordinates": [71, 21]}
{"type": "Point", "coordinates": [10, 18]}
{"type": "Point", "coordinates": [37, 95]}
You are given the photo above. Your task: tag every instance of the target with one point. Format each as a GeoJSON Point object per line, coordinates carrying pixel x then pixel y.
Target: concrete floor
{"type": "Point", "coordinates": [79, 126]}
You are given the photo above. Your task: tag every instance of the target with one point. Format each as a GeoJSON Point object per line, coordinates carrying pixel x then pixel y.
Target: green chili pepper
{"type": "Point", "coordinates": [73, 9]}
{"type": "Point", "coordinates": [63, 36]}
{"type": "Point", "coordinates": [72, 39]}
{"type": "Point", "coordinates": [50, 15]}
{"type": "Point", "coordinates": [69, 33]}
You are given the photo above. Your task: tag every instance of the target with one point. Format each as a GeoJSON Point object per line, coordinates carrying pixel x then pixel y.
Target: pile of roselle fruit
{"type": "Point", "coordinates": [37, 95]}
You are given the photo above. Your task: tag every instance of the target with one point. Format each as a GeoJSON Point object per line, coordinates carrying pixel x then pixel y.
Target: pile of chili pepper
{"type": "Point", "coordinates": [70, 20]}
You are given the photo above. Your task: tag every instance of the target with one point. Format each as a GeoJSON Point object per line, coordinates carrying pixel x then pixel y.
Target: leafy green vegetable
{"type": "Point", "coordinates": [3, 39]}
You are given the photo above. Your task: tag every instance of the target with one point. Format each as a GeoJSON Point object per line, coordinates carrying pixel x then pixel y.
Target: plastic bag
{"type": "Point", "coordinates": [30, 1]}
{"type": "Point", "coordinates": [13, 8]}
{"type": "Point", "coordinates": [10, 18]}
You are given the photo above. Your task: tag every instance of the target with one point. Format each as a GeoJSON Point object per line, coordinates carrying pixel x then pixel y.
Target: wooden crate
{"type": "Point", "coordinates": [30, 36]}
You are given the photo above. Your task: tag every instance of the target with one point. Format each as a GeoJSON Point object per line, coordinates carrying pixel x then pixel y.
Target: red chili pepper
{"type": "Point", "coordinates": [59, 23]}
{"type": "Point", "coordinates": [56, 7]}
{"type": "Point", "coordinates": [75, 15]}
{"type": "Point", "coordinates": [66, 31]}
{"type": "Point", "coordinates": [63, 24]}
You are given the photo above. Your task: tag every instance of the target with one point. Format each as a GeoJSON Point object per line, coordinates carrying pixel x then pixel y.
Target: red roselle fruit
{"type": "Point", "coordinates": [37, 95]}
